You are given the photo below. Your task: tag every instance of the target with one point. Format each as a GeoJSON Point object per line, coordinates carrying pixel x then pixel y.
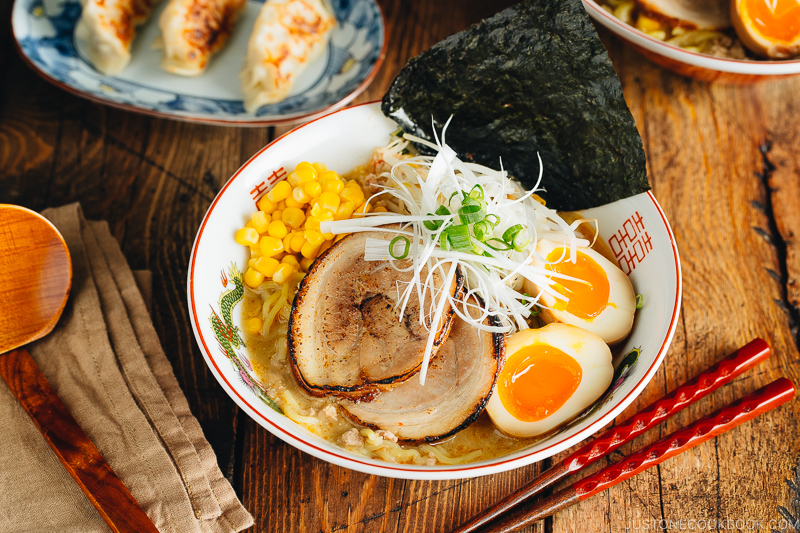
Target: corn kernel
{"type": "Point", "coordinates": [253, 278]}
{"type": "Point", "coordinates": [319, 211]}
{"type": "Point", "coordinates": [270, 246]}
{"type": "Point", "coordinates": [291, 202]}
{"type": "Point", "coordinates": [363, 208]}
{"type": "Point", "coordinates": [278, 214]}
{"type": "Point", "coordinates": [249, 224]}
{"type": "Point", "coordinates": [329, 201]}
{"type": "Point", "coordinates": [246, 236]}
{"type": "Point", "coordinates": [291, 260]}
{"type": "Point", "coordinates": [255, 251]}
{"type": "Point", "coordinates": [305, 263]}
{"type": "Point", "coordinates": [293, 217]}
{"type": "Point", "coordinates": [329, 175]}
{"type": "Point", "coordinates": [313, 203]}
{"type": "Point", "coordinates": [298, 240]}
{"type": "Point", "coordinates": [253, 325]}
{"type": "Point", "coordinates": [312, 223]}
{"type": "Point", "coordinates": [325, 245]}
{"type": "Point", "coordinates": [283, 273]}
{"type": "Point", "coordinates": [352, 194]}
{"type": "Point", "coordinates": [380, 209]}
{"type": "Point", "coordinates": [277, 229]}
{"type": "Point", "coordinates": [309, 250]}
{"type": "Point", "coordinates": [647, 24]}
{"type": "Point", "coordinates": [302, 175]}
{"type": "Point", "coordinates": [328, 236]}
{"type": "Point", "coordinates": [251, 262]}
{"type": "Point", "coordinates": [260, 221]}
{"type": "Point", "coordinates": [280, 191]}
{"type": "Point", "coordinates": [266, 265]}
{"type": "Point", "coordinates": [266, 205]}
{"type": "Point", "coordinates": [287, 242]}
{"type": "Point", "coordinates": [312, 189]}
{"type": "Point", "coordinates": [335, 186]}
{"type": "Point", "coordinates": [313, 237]}
{"type": "Point", "coordinates": [300, 195]}
{"type": "Point", "coordinates": [320, 168]}
{"type": "Point", "coordinates": [344, 211]}
{"type": "Point", "coordinates": [281, 205]}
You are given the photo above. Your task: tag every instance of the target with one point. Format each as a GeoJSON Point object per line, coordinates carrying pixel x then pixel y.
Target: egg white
{"type": "Point", "coordinates": [588, 350]}
{"type": "Point", "coordinates": [614, 322]}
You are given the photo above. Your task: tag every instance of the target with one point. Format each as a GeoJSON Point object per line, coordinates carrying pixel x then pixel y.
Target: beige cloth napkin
{"type": "Point", "coordinates": [105, 361]}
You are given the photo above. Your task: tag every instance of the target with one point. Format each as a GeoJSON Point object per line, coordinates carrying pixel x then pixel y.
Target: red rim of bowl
{"type": "Point", "coordinates": [211, 121]}
{"type": "Point", "coordinates": [419, 472]}
{"type": "Point", "coordinates": [598, 12]}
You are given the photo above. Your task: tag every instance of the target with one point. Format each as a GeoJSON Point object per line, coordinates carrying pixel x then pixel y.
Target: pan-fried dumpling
{"type": "Point", "coordinates": [193, 30]}
{"type": "Point", "coordinates": [108, 28]}
{"type": "Point", "coordinates": [288, 35]}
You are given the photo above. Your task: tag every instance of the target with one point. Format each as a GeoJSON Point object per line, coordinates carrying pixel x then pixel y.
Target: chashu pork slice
{"type": "Point", "coordinates": [694, 14]}
{"type": "Point", "coordinates": [456, 389]}
{"type": "Point", "coordinates": [346, 335]}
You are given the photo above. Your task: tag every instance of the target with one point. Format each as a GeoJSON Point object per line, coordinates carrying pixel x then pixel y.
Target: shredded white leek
{"type": "Point", "coordinates": [423, 184]}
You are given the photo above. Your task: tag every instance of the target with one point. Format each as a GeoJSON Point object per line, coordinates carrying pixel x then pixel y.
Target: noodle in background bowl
{"type": "Point", "coordinates": [703, 67]}
{"type": "Point", "coordinates": [635, 228]}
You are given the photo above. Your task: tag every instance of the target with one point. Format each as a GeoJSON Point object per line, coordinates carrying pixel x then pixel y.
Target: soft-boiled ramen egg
{"type": "Point", "coordinates": [602, 302]}
{"type": "Point", "coordinates": [551, 374]}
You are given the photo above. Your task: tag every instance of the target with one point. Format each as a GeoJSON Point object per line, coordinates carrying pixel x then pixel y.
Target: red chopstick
{"type": "Point", "coordinates": [776, 393]}
{"type": "Point", "coordinates": [705, 383]}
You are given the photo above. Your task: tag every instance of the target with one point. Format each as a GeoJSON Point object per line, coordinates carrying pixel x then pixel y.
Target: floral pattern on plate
{"type": "Point", "coordinates": [44, 30]}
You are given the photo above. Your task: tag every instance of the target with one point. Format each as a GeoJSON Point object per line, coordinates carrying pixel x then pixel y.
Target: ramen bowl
{"type": "Point", "coordinates": [702, 67]}
{"type": "Point", "coordinates": [635, 229]}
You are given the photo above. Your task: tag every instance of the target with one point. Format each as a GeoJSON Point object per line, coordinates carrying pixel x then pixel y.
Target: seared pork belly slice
{"type": "Point", "coordinates": [456, 389]}
{"type": "Point", "coordinates": [695, 14]}
{"type": "Point", "coordinates": [346, 335]}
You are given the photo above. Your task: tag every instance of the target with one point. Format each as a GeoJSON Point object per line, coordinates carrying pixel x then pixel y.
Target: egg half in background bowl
{"type": "Point", "coordinates": [635, 228]}
{"type": "Point", "coordinates": [777, 35]}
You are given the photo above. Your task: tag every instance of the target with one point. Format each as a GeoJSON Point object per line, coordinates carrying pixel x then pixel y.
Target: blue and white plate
{"type": "Point", "coordinates": [44, 31]}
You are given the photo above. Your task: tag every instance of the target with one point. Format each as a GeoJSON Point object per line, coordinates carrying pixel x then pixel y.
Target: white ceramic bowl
{"type": "Point", "coordinates": [635, 228]}
{"type": "Point", "coordinates": [700, 66]}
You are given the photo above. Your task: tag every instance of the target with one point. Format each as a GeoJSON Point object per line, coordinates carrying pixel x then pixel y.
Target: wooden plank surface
{"type": "Point", "coordinates": [724, 162]}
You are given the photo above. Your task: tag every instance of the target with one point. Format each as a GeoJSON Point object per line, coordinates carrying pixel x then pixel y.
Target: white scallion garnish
{"type": "Point", "coordinates": [460, 214]}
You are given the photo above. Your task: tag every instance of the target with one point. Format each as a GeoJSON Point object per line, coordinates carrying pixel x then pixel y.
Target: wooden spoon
{"type": "Point", "coordinates": [35, 279]}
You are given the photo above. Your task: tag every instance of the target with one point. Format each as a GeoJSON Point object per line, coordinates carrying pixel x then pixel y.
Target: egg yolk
{"type": "Point", "coordinates": [776, 20]}
{"type": "Point", "coordinates": [586, 298]}
{"type": "Point", "coordinates": [536, 381]}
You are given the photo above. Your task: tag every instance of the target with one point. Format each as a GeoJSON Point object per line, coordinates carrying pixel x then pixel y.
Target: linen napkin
{"type": "Point", "coordinates": [106, 364]}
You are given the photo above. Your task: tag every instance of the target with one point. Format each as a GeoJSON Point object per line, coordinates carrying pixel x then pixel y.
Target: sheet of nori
{"type": "Point", "coordinates": [534, 78]}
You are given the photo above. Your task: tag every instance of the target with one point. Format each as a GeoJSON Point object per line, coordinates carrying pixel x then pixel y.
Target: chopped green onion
{"type": "Point", "coordinates": [469, 214]}
{"type": "Point", "coordinates": [481, 230]}
{"type": "Point", "coordinates": [502, 246]}
{"type": "Point", "coordinates": [510, 233]}
{"type": "Point", "coordinates": [639, 301]}
{"type": "Point", "coordinates": [495, 219]}
{"type": "Point", "coordinates": [476, 192]}
{"type": "Point", "coordinates": [444, 241]}
{"type": "Point", "coordinates": [460, 238]}
{"type": "Point", "coordinates": [405, 251]}
{"type": "Point", "coordinates": [432, 225]}
{"type": "Point", "coordinates": [451, 197]}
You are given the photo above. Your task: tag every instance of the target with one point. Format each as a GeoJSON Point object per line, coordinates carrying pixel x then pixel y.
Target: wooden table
{"type": "Point", "coordinates": [724, 162]}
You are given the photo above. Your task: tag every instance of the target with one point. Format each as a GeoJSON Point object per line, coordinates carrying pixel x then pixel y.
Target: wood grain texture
{"type": "Point", "coordinates": [37, 276]}
{"type": "Point", "coordinates": [723, 163]}
{"type": "Point", "coordinates": [72, 446]}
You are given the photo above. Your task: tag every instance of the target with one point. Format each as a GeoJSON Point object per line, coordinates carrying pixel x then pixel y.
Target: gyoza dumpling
{"type": "Point", "coordinates": [193, 30]}
{"type": "Point", "coordinates": [108, 28]}
{"type": "Point", "coordinates": [288, 35]}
